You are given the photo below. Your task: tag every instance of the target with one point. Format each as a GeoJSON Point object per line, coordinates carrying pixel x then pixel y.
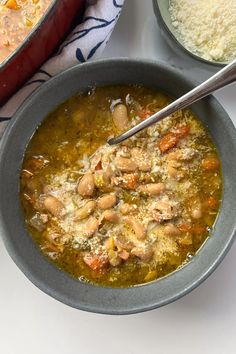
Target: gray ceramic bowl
{"type": "Point", "coordinates": [161, 9]}
{"type": "Point", "coordinates": [19, 243]}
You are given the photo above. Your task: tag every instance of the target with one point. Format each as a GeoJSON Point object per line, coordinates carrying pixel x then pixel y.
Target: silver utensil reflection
{"type": "Point", "coordinates": [225, 76]}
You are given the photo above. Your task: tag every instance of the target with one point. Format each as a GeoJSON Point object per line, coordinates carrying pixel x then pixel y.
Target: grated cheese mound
{"type": "Point", "coordinates": [206, 27]}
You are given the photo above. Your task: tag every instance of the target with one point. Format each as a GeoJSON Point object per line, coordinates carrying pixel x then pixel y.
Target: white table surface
{"type": "Point", "coordinates": [202, 322]}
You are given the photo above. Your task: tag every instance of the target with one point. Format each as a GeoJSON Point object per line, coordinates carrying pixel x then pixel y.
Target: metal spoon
{"type": "Point", "coordinates": [225, 76]}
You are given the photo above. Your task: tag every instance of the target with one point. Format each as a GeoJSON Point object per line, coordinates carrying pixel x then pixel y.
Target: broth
{"type": "Point", "coordinates": [120, 215]}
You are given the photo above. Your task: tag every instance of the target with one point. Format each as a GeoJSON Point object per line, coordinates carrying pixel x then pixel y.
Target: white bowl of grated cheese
{"type": "Point", "coordinates": [205, 30]}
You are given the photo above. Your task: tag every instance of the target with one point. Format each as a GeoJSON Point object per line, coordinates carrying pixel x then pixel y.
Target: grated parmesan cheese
{"type": "Point", "coordinates": [206, 27]}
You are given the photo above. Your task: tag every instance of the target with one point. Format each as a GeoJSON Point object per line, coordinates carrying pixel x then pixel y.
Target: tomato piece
{"type": "Point", "coordinates": [96, 262]}
{"type": "Point", "coordinates": [98, 166]}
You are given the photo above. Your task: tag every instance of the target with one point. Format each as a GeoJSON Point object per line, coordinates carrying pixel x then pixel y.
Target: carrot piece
{"type": "Point", "coordinates": [195, 229]}
{"type": "Point", "coordinates": [210, 163]}
{"type": "Point", "coordinates": [131, 181]}
{"type": "Point", "coordinates": [171, 139]}
{"type": "Point", "coordinates": [168, 141]}
{"type": "Point", "coordinates": [182, 131]}
{"type": "Point", "coordinates": [198, 229]}
{"type": "Point", "coordinates": [212, 203]}
{"type": "Point", "coordinates": [96, 262]}
{"type": "Point", "coordinates": [184, 228]}
{"type": "Point", "coordinates": [12, 5]}
{"type": "Point", "coordinates": [144, 113]}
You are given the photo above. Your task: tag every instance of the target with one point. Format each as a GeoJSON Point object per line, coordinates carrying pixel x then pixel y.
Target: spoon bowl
{"type": "Point", "coordinates": [224, 77]}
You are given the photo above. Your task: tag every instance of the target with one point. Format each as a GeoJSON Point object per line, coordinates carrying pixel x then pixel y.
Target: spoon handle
{"type": "Point", "coordinates": [222, 78]}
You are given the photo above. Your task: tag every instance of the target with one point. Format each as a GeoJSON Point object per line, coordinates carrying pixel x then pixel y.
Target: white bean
{"type": "Point", "coordinates": [137, 227]}
{"type": "Point", "coordinates": [86, 185]}
{"type": "Point", "coordinates": [120, 117]}
{"type": "Point", "coordinates": [125, 164]}
{"type": "Point", "coordinates": [166, 209]}
{"type": "Point", "coordinates": [111, 216]}
{"type": "Point", "coordinates": [86, 210]}
{"type": "Point", "coordinates": [54, 206]}
{"type": "Point", "coordinates": [128, 208]}
{"type": "Point", "coordinates": [171, 230]}
{"type": "Point", "coordinates": [107, 201]}
{"type": "Point", "coordinates": [152, 188]}
{"type": "Point", "coordinates": [91, 226]}
{"type": "Point", "coordinates": [173, 170]}
{"type": "Point", "coordinates": [144, 253]}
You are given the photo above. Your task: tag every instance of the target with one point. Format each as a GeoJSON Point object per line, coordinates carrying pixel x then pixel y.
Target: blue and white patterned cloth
{"type": "Point", "coordinates": [86, 41]}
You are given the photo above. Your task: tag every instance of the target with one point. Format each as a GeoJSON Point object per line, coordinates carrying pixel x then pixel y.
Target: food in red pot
{"type": "Point", "coordinates": [29, 32]}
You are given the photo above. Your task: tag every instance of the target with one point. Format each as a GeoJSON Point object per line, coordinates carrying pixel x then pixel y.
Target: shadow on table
{"type": "Point", "coordinates": [129, 37]}
{"type": "Point", "coordinates": [216, 294]}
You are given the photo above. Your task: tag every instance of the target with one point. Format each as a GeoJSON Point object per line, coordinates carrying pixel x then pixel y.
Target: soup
{"type": "Point", "coordinates": [127, 214]}
{"type": "Point", "coordinates": [17, 19]}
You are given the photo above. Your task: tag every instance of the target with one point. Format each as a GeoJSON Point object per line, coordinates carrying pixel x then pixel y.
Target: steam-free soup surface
{"type": "Point", "coordinates": [17, 19]}
{"type": "Point", "coordinates": [120, 215]}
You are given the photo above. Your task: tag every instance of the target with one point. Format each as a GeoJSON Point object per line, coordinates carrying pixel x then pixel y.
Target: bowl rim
{"type": "Point", "coordinates": [173, 38]}
{"type": "Point", "coordinates": [121, 295]}
{"type": "Point", "coordinates": [26, 41]}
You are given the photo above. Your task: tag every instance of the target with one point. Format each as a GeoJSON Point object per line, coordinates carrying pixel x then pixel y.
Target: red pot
{"type": "Point", "coordinates": [38, 46]}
